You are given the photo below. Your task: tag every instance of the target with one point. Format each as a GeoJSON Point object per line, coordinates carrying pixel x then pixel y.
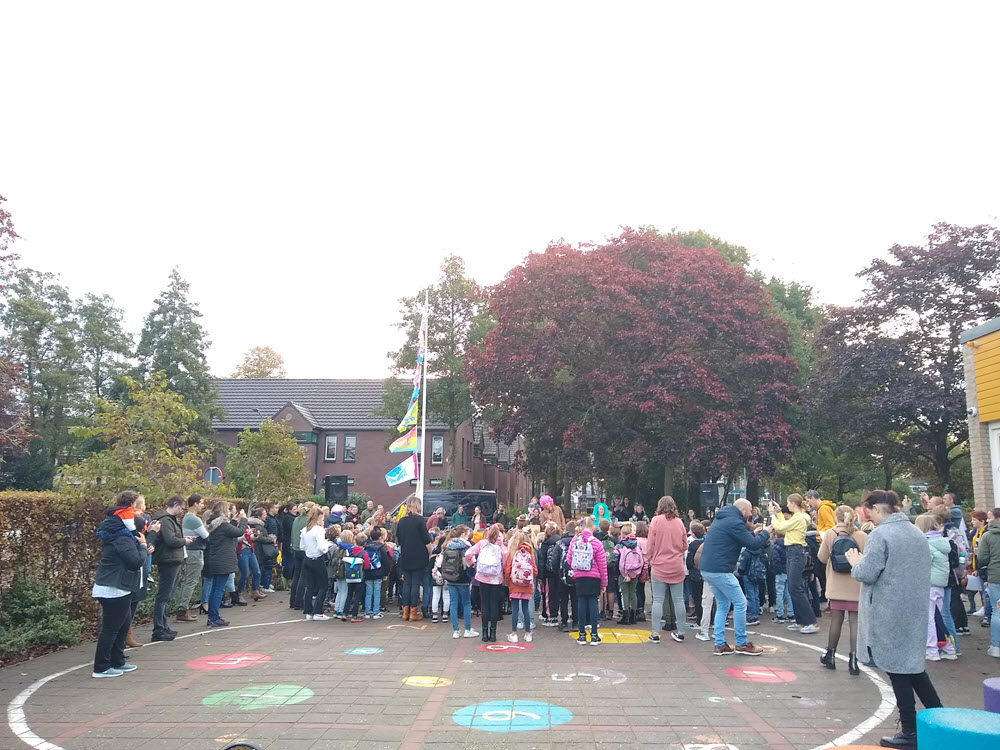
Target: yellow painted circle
{"type": "Point", "coordinates": [616, 635]}
{"type": "Point", "coordinates": [425, 681]}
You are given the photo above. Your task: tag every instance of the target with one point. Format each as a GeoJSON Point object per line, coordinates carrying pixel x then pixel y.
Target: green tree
{"type": "Point", "coordinates": [735, 255]}
{"type": "Point", "coordinates": [174, 342]}
{"type": "Point", "coordinates": [268, 465]}
{"type": "Point", "coordinates": [104, 344]}
{"type": "Point", "coordinates": [261, 362]}
{"type": "Point", "coordinates": [150, 444]}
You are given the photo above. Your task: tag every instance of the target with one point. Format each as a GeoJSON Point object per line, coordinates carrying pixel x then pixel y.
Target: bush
{"type": "Point", "coordinates": [31, 616]}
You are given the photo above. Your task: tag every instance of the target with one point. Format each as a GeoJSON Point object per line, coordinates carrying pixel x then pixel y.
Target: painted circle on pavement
{"type": "Point", "coordinates": [426, 681]}
{"type": "Point", "coordinates": [596, 674]}
{"type": "Point", "coordinates": [227, 661]}
{"type": "Point", "coordinates": [769, 649]}
{"type": "Point", "coordinates": [511, 716]}
{"type": "Point", "coordinates": [761, 674]}
{"type": "Point", "coordinates": [617, 635]}
{"type": "Point", "coordinates": [363, 651]}
{"type": "Point", "coordinates": [505, 647]}
{"type": "Point", "coordinates": [259, 696]}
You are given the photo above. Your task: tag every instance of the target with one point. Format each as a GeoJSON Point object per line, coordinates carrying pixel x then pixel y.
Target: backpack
{"type": "Point", "coordinates": [566, 573]}
{"type": "Point", "coordinates": [630, 562]}
{"type": "Point", "coordinates": [961, 547]}
{"type": "Point", "coordinates": [757, 569]}
{"type": "Point", "coordinates": [583, 554]}
{"type": "Point", "coordinates": [693, 571]}
{"type": "Point", "coordinates": [269, 554]}
{"type": "Point", "coordinates": [521, 573]}
{"type": "Point", "coordinates": [374, 561]}
{"type": "Point", "coordinates": [553, 559]}
{"type": "Point", "coordinates": [436, 571]}
{"type": "Point", "coordinates": [838, 553]}
{"type": "Point", "coordinates": [354, 567]}
{"type": "Point", "coordinates": [451, 564]}
{"type": "Point", "coordinates": [336, 564]}
{"type": "Point", "coordinates": [489, 561]}
{"type": "Point", "coordinates": [610, 556]}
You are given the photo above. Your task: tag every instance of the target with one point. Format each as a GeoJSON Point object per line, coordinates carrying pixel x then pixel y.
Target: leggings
{"type": "Point", "coordinates": [795, 555]}
{"type": "Point", "coordinates": [630, 602]}
{"type": "Point", "coordinates": [660, 590]}
{"type": "Point", "coordinates": [490, 593]}
{"type": "Point", "coordinates": [442, 596]}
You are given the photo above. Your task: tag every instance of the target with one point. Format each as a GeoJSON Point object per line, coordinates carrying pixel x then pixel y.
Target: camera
{"type": "Point", "coordinates": [972, 411]}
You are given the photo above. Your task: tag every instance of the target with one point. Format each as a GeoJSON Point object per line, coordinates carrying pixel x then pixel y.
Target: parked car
{"type": "Point", "coordinates": [451, 499]}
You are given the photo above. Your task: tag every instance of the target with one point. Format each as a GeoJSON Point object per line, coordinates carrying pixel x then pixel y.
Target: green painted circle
{"type": "Point", "coordinates": [259, 696]}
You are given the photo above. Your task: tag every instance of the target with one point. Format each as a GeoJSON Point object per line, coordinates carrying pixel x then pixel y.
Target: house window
{"type": "Point", "coordinates": [437, 450]}
{"type": "Point", "coordinates": [350, 447]}
{"type": "Point", "coordinates": [331, 448]}
{"type": "Point", "coordinates": [304, 437]}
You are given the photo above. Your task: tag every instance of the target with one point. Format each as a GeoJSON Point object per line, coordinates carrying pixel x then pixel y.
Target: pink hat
{"type": "Point", "coordinates": [545, 501]}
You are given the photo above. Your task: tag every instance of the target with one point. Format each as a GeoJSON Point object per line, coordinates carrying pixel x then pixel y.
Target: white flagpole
{"type": "Point", "coordinates": [423, 398]}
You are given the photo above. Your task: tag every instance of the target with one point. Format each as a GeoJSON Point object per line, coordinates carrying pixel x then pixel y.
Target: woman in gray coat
{"type": "Point", "coordinates": [895, 576]}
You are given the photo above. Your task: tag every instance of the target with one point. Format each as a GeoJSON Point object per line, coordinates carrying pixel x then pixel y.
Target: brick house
{"type": "Point", "coordinates": [333, 423]}
{"type": "Point", "coordinates": [982, 393]}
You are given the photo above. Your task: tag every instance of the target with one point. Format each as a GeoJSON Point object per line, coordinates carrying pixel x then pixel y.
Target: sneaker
{"type": "Point", "coordinates": [949, 657]}
{"type": "Point", "coordinates": [126, 667]}
{"type": "Point", "coordinates": [321, 617]}
{"type": "Point", "coordinates": [527, 637]}
{"type": "Point", "coordinates": [993, 651]}
{"type": "Point", "coordinates": [551, 623]}
{"type": "Point", "coordinates": [456, 634]}
{"type": "Point", "coordinates": [793, 627]}
{"type": "Point", "coordinates": [933, 657]}
{"type": "Point", "coordinates": [702, 636]}
{"type": "Point", "coordinates": [512, 638]}
{"type": "Point", "coordinates": [724, 650]}
{"type": "Point", "coordinates": [985, 623]}
{"type": "Point", "coordinates": [752, 623]}
{"type": "Point", "coordinates": [981, 612]}
{"type": "Point", "coordinates": [749, 649]}
{"type": "Point", "coordinates": [344, 618]}
{"type": "Point", "coordinates": [269, 590]}
{"type": "Point", "coordinates": [309, 617]}
{"type": "Point", "coordinates": [582, 640]}
{"type": "Point", "coordinates": [564, 628]}
{"type": "Point", "coordinates": [109, 672]}
{"type": "Point", "coordinates": [356, 619]}
{"type": "Point", "coordinates": [779, 618]}
{"type": "Point", "coordinates": [814, 628]}
{"type": "Point", "coordinates": [368, 616]}
{"type": "Point", "coordinates": [377, 616]}
{"type": "Point", "coordinates": [653, 638]}
{"type": "Point", "coordinates": [678, 637]}
{"type": "Point", "coordinates": [595, 640]}
{"type": "Point", "coordinates": [162, 637]}
{"type": "Point", "coordinates": [219, 623]}
{"type": "Point", "coordinates": [470, 633]}
{"type": "Point", "coordinates": [770, 609]}
{"type": "Point", "coordinates": [964, 631]}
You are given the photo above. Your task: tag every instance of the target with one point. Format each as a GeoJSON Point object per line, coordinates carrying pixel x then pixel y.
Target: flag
{"type": "Point", "coordinates": [422, 341]}
{"type": "Point", "coordinates": [406, 443]}
{"type": "Point", "coordinates": [411, 417]}
{"type": "Point", "coordinates": [406, 471]}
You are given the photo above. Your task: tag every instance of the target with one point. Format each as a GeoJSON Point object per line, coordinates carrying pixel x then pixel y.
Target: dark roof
{"type": "Point", "coordinates": [327, 404]}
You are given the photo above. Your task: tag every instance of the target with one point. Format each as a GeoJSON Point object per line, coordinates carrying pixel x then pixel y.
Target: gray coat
{"type": "Point", "coordinates": [895, 576]}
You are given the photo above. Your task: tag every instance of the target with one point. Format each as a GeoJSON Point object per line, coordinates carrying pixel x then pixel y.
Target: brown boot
{"type": "Point", "coordinates": [184, 615]}
{"type": "Point", "coordinates": [131, 642]}
{"type": "Point", "coordinates": [406, 613]}
{"type": "Point", "coordinates": [258, 595]}
{"type": "Point", "coordinates": [415, 614]}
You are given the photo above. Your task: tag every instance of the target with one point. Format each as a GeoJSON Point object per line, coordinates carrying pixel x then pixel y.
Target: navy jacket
{"type": "Point", "coordinates": [121, 556]}
{"type": "Point", "coordinates": [727, 535]}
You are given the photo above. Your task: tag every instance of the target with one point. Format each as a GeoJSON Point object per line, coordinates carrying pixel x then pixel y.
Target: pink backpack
{"type": "Point", "coordinates": [630, 562]}
{"type": "Point", "coordinates": [521, 573]}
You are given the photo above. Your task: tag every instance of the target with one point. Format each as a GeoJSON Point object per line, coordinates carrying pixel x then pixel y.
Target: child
{"type": "Point", "coordinates": [752, 570]}
{"type": "Point", "coordinates": [607, 601]}
{"type": "Point", "coordinates": [520, 572]}
{"type": "Point", "coordinates": [549, 561]}
{"type": "Point", "coordinates": [338, 572]}
{"type": "Point", "coordinates": [458, 578]}
{"type": "Point", "coordinates": [567, 589]}
{"type": "Point", "coordinates": [695, 582]}
{"type": "Point", "coordinates": [784, 598]}
{"type": "Point", "coordinates": [940, 548]}
{"type": "Point", "coordinates": [378, 557]}
{"type": "Point", "coordinates": [488, 556]}
{"type": "Point", "coordinates": [441, 593]}
{"type": "Point", "coordinates": [589, 564]}
{"type": "Point", "coordinates": [356, 562]}
{"type": "Point", "coordinates": [631, 563]}
{"type": "Point", "coordinates": [642, 537]}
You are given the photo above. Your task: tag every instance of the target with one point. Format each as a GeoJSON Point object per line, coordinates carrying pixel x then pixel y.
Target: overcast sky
{"type": "Point", "coordinates": [307, 164]}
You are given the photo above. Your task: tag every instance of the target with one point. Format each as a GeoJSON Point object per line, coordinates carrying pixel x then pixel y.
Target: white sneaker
{"type": "Point", "coordinates": [368, 616]}
{"type": "Point", "coordinates": [470, 633]}
{"type": "Point", "coordinates": [703, 636]}
{"type": "Point", "coordinates": [527, 637]}
{"type": "Point", "coordinates": [321, 617]}
{"type": "Point", "coordinates": [771, 610]}
{"type": "Point", "coordinates": [456, 634]}
{"type": "Point", "coordinates": [309, 617]}
{"type": "Point", "coordinates": [814, 628]}
{"type": "Point", "coordinates": [981, 612]}
{"type": "Point", "coordinates": [949, 657]}
{"type": "Point", "coordinates": [793, 626]}
{"type": "Point", "coordinates": [512, 638]}
{"type": "Point", "coordinates": [993, 651]}
{"type": "Point", "coordinates": [933, 657]}
{"type": "Point", "coordinates": [377, 616]}
{"type": "Point", "coordinates": [269, 590]}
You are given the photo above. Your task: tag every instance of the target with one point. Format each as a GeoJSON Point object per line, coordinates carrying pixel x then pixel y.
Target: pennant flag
{"type": "Point", "coordinates": [406, 443]}
{"type": "Point", "coordinates": [411, 417]}
{"type": "Point", "coordinates": [406, 471]}
{"type": "Point", "coordinates": [422, 341]}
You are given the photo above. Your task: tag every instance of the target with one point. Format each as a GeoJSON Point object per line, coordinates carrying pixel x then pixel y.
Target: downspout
{"type": "Point", "coordinates": [316, 464]}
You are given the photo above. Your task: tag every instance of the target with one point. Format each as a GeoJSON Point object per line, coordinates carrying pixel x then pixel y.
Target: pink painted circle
{"type": "Point", "coordinates": [227, 661]}
{"type": "Point", "coordinates": [761, 674]}
{"type": "Point", "coordinates": [502, 647]}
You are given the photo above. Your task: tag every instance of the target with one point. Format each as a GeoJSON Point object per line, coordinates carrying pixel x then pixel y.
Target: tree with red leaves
{"type": "Point", "coordinates": [640, 350]}
{"type": "Point", "coordinates": [13, 416]}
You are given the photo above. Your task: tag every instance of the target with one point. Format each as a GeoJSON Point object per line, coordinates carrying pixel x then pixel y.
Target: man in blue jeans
{"type": "Point", "coordinates": [716, 559]}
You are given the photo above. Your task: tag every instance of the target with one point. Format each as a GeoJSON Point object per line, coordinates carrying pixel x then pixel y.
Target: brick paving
{"type": "Point", "coordinates": [672, 696]}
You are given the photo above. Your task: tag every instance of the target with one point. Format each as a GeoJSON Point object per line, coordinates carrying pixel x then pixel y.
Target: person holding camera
{"type": "Point", "coordinates": [220, 554]}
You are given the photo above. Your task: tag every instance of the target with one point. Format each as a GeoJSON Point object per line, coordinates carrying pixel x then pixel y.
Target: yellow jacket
{"type": "Point", "coordinates": [824, 516]}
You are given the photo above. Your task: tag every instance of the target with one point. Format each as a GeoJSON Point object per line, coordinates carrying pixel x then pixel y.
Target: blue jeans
{"type": "Point", "coordinates": [993, 589]}
{"type": "Point", "coordinates": [373, 596]}
{"type": "Point", "coordinates": [265, 577]}
{"type": "Point", "coordinates": [340, 601]}
{"type": "Point", "coordinates": [588, 614]}
{"type": "Point", "coordinates": [783, 604]}
{"type": "Point", "coordinates": [247, 561]}
{"type": "Point", "coordinates": [428, 590]}
{"type": "Point", "coordinates": [217, 585]}
{"type": "Point", "coordinates": [949, 621]}
{"type": "Point", "coordinates": [726, 590]}
{"type": "Point", "coordinates": [526, 613]}
{"type": "Point", "coordinates": [206, 588]}
{"type": "Point", "coordinates": [751, 589]}
{"type": "Point", "coordinates": [461, 598]}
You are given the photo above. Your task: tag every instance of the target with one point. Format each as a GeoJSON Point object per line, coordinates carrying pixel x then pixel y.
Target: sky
{"type": "Point", "coordinates": [305, 165]}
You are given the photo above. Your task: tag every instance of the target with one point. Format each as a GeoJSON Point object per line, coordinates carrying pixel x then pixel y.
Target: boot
{"type": "Point", "coordinates": [486, 633]}
{"type": "Point", "coordinates": [493, 632]}
{"type": "Point", "coordinates": [829, 659]}
{"type": "Point", "coordinates": [415, 615]}
{"type": "Point", "coordinates": [640, 615]}
{"type": "Point", "coordinates": [235, 599]}
{"type": "Point", "coordinates": [257, 595]}
{"type": "Point", "coordinates": [427, 613]}
{"type": "Point", "coordinates": [184, 615]}
{"type": "Point", "coordinates": [625, 617]}
{"type": "Point", "coordinates": [903, 740]}
{"type": "Point", "coordinates": [131, 642]}
{"type": "Point", "coordinates": [631, 617]}
{"type": "Point", "coordinates": [852, 664]}
{"type": "Point", "coordinates": [406, 613]}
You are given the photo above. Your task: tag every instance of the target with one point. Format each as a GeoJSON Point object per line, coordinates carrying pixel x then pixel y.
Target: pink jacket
{"type": "Point", "coordinates": [472, 554]}
{"type": "Point", "coordinates": [600, 567]}
{"type": "Point", "coordinates": [666, 547]}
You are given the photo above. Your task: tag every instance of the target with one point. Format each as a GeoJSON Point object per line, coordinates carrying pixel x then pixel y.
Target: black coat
{"type": "Point", "coordinates": [220, 555]}
{"type": "Point", "coordinates": [168, 544]}
{"type": "Point", "coordinates": [121, 556]}
{"type": "Point", "coordinates": [413, 538]}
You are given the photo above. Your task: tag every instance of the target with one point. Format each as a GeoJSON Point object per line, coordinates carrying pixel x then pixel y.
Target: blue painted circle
{"type": "Point", "coordinates": [511, 716]}
{"type": "Point", "coordinates": [363, 651]}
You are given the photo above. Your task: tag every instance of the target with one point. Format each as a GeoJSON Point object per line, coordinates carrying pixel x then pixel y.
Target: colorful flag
{"type": "Point", "coordinates": [406, 471]}
{"type": "Point", "coordinates": [406, 443]}
{"type": "Point", "coordinates": [411, 417]}
{"type": "Point", "coordinates": [422, 341]}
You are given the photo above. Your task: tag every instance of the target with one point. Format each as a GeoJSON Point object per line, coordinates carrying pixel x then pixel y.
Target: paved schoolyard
{"type": "Point", "coordinates": [293, 686]}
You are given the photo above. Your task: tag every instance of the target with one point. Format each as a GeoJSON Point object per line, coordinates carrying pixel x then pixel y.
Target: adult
{"type": "Point", "coordinates": [478, 521]}
{"type": "Point", "coordinates": [895, 576]}
{"type": "Point", "coordinates": [796, 554]}
{"type": "Point", "coordinates": [220, 554]}
{"type": "Point", "coordinates": [118, 577]}
{"type": "Point", "coordinates": [351, 514]}
{"type": "Point", "coordinates": [273, 530]}
{"type": "Point", "coordinates": [168, 556]}
{"type": "Point", "coordinates": [716, 559]}
{"type": "Point", "coordinates": [368, 512]}
{"type": "Point", "coordinates": [246, 557]}
{"type": "Point", "coordinates": [414, 555]}
{"type": "Point", "coordinates": [666, 547]}
{"type": "Point", "coordinates": [951, 503]}
{"type": "Point", "coordinates": [825, 511]}
{"type": "Point", "coordinates": [314, 548]}
{"type": "Point", "coordinates": [620, 512]}
{"type": "Point", "coordinates": [601, 513]}
{"type": "Point", "coordinates": [689, 518]}
{"type": "Point", "coordinates": [639, 514]}
{"type": "Point", "coordinates": [458, 518]}
{"type": "Point", "coordinates": [436, 520]}
{"type": "Point", "coordinates": [192, 526]}
{"type": "Point", "coordinates": [501, 516]}
{"type": "Point", "coordinates": [979, 524]}
{"type": "Point", "coordinates": [988, 565]}
{"type": "Point", "coordinates": [551, 512]}
{"type": "Point", "coordinates": [286, 517]}
{"type": "Point", "coordinates": [842, 590]}
{"type": "Point", "coordinates": [299, 557]}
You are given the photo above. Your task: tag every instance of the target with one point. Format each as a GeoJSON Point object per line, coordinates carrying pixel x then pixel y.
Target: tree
{"type": "Point", "coordinates": [150, 444]}
{"type": "Point", "coordinates": [174, 342]}
{"type": "Point", "coordinates": [735, 255]}
{"type": "Point", "coordinates": [894, 363]}
{"type": "Point", "coordinates": [641, 350]}
{"type": "Point", "coordinates": [104, 344]}
{"type": "Point", "coordinates": [261, 362]}
{"type": "Point", "coordinates": [268, 465]}
{"type": "Point", "coordinates": [456, 321]}
{"type": "Point", "coordinates": [7, 237]}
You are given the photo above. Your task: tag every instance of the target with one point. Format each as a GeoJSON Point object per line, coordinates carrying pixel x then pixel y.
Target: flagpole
{"type": "Point", "coordinates": [423, 406]}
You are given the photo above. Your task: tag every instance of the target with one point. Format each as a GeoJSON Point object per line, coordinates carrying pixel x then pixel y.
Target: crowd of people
{"type": "Point", "coordinates": [884, 562]}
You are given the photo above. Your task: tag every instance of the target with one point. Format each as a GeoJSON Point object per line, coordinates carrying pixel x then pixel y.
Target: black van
{"type": "Point", "coordinates": [451, 499]}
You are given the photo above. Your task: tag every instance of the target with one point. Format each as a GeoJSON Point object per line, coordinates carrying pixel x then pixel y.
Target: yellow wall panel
{"type": "Point", "coordinates": [986, 359]}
